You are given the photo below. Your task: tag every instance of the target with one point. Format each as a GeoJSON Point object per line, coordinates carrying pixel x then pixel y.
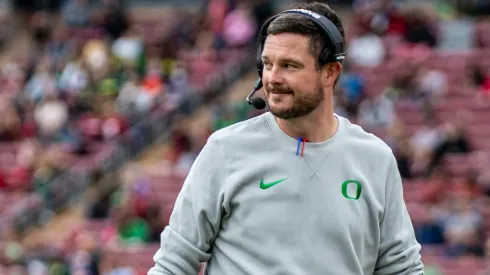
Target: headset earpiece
{"type": "Point", "coordinates": [325, 56]}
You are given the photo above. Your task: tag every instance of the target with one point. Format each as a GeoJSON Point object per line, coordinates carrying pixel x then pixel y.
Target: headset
{"type": "Point", "coordinates": [331, 33]}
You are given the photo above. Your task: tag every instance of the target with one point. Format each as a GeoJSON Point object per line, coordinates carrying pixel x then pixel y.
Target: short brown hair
{"type": "Point", "coordinates": [295, 23]}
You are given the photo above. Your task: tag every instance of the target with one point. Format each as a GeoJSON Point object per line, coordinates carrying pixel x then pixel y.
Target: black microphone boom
{"type": "Point", "coordinates": [258, 102]}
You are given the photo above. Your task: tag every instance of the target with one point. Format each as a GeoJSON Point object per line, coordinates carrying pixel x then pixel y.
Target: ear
{"type": "Point", "coordinates": [330, 73]}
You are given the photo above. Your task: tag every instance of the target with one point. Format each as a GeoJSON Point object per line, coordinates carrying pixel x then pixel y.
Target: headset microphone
{"type": "Point", "coordinates": [258, 102]}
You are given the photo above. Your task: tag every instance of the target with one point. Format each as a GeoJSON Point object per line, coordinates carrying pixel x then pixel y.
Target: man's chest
{"type": "Point", "coordinates": [297, 199]}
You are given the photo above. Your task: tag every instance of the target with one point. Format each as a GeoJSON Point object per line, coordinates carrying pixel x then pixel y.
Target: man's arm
{"type": "Point", "coordinates": [399, 251]}
{"type": "Point", "coordinates": [196, 217]}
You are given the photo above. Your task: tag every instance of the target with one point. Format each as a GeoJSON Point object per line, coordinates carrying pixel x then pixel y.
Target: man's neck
{"type": "Point", "coordinates": [318, 126]}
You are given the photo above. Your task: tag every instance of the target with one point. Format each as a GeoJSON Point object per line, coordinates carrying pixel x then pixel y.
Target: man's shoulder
{"type": "Point", "coordinates": [364, 142]}
{"type": "Point", "coordinates": [240, 130]}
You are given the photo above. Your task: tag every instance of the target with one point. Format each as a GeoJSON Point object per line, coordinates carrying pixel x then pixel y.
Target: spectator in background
{"type": "Point", "coordinates": [58, 267]}
{"type": "Point", "coordinates": [383, 17]}
{"type": "Point", "coordinates": [19, 177]}
{"type": "Point", "coordinates": [37, 267]}
{"type": "Point", "coordinates": [427, 137]}
{"type": "Point", "coordinates": [74, 79]}
{"type": "Point", "coordinates": [13, 251]}
{"type": "Point", "coordinates": [423, 143]}
{"type": "Point", "coordinates": [114, 17]}
{"type": "Point", "coordinates": [113, 124]}
{"type": "Point", "coordinates": [340, 106]}
{"type": "Point", "coordinates": [486, 271]}
{"type": "Point", "coordinates": [178, 83]}
{"type": "Point", "coordinates": [469, 185]}
{"type": "Point", "coordinates": [224, 116]}
{"type": "Point", "coordinates": [60, 47]}
{"type": "Point", "coordinates": [17, 270]}
{"type": "Point", "coordinates": [476, 74]}
{"type": "Point", "coordinates": [57, 158]}
{"type": "Point", "coordinates": [481, 161]}
{"type": "Point", "coordinates": [454, 140]}
{"type": "Point", "coordinates": [403, 83]}
{"type": "Point", "coordinates": [85, 257]}
{"type": "Point", "coordinates": [420, 26]}
{"type": "Point", "coordinates": [12, 77]}
{"type": "Point", "coordinates": [132, 100]}
{"type": "Point", "coordinates": [216, 13]}
{"type": "Point", "coordinates": [363, 14]}
{"type": "Point", "coordinates": [398, 140]}
{"type": "Point", "coordinates": [100, 208]}
{"type": "Point", "coordinates": [10, 123]}
{"type": "Point", "coordinates": [203, 56]}
{"type": "Point", "coordinates": [182, 146]}
{"type": "Point", "coordinates": [152, 82]}
{"type": "Point", "coordinates": [3, 183]}
{"type": "Point", "coordinates": [41, 28]}
{"type": "Point", "coordinates": [6, 19]}
{"type": "Point", "coordinates": [375, 112]}
{"type": "Point", "coordinates": [51, 116]}
{"type": "Point", "coordinates": [129, 47]}
{"type": "Point", "coordinates": [96, 57]}
{"type": "Point", "coordinates": [395, 134]}
{"type": "Point", "coordinates": [76, 13]}
{"type": "Point", "coordinates": [462, 229]}
{"type": "Point", "coordinates": [367, 50]}
{"type": "Point", "coordinates": [404, 158]}
{"type": "Point", "coordinates": [437, 185]}
{"type": "Point", "coordinates": [392, 13]}
{"type": "Point", "coordinates": [487, 249]}
{"type": "Point", "coordinates": [42, 82]}
{"type": "Point", "coordinates": [262, 10]}
{"type": "Point", "coordinates": [131, 228]}
{"type": "Point", "coordinates": [431, 84]}
{"type": "Point", "coordinates": [114, 269]}
{"type": "Point", "coordinates": [485, 85]}
{"type": "Point", "coordinates": [140, 196]}
{"type": "Point", "coordinates": [155, 222]}
{"type": "Point", "coordinates": [239, 28]}
{"type": "Point", "coordinates": [427, 229]}
{"type": "Point", "coordinates": [352, 90]}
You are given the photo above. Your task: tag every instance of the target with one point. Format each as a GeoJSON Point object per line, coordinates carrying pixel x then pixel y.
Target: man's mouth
{"type": "Point", "coordinates": [281, 92]}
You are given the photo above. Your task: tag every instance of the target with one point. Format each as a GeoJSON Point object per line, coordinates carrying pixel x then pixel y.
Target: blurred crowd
{"type": "Point", "coordinates": [425, 92]}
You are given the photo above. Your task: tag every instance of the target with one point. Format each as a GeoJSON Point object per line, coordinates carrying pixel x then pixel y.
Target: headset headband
{"type": "Point", "coordinates": [329, 29]}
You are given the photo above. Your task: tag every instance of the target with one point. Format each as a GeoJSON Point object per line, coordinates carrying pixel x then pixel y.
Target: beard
{"type": "Point", "coordinates": [303, 104]}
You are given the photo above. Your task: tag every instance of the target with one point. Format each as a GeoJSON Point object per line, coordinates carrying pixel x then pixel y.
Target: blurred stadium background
{"type": "Point", "coordinates": [105, 104]}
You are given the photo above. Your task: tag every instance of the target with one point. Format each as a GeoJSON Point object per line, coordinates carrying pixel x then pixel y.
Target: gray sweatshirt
{"type": "Point", "coordinates": [258, 202]}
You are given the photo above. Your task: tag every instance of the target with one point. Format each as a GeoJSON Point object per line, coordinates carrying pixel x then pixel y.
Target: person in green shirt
{"type": "Point", "coordinates": [132, 229]}
{"type": "Point", "coordinates": [135, 230]}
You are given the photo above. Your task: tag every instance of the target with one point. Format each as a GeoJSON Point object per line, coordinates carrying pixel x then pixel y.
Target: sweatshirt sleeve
{"type": "Point", "coordinates": [196, 217]}
{"type": "Point", "coordinates": [399, 251]}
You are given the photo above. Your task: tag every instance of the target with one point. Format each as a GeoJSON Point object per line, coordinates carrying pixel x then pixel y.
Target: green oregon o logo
{"type": "Point", "coordinates": [350, 194]}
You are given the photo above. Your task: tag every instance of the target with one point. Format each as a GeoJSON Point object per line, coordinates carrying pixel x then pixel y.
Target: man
{"type": "Point", "coordinates": [258, 203]}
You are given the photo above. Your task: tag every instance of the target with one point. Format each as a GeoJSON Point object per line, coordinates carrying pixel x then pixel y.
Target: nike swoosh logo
{"type": "Point", "coordinates": [264, 186]}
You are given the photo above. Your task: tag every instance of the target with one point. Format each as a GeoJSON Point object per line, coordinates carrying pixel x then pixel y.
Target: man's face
{"type": "Point", "coordinates": [293, 86]}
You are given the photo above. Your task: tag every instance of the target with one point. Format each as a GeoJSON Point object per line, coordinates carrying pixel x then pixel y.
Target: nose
{"type": "Point", "coordinates": [273, 77]}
